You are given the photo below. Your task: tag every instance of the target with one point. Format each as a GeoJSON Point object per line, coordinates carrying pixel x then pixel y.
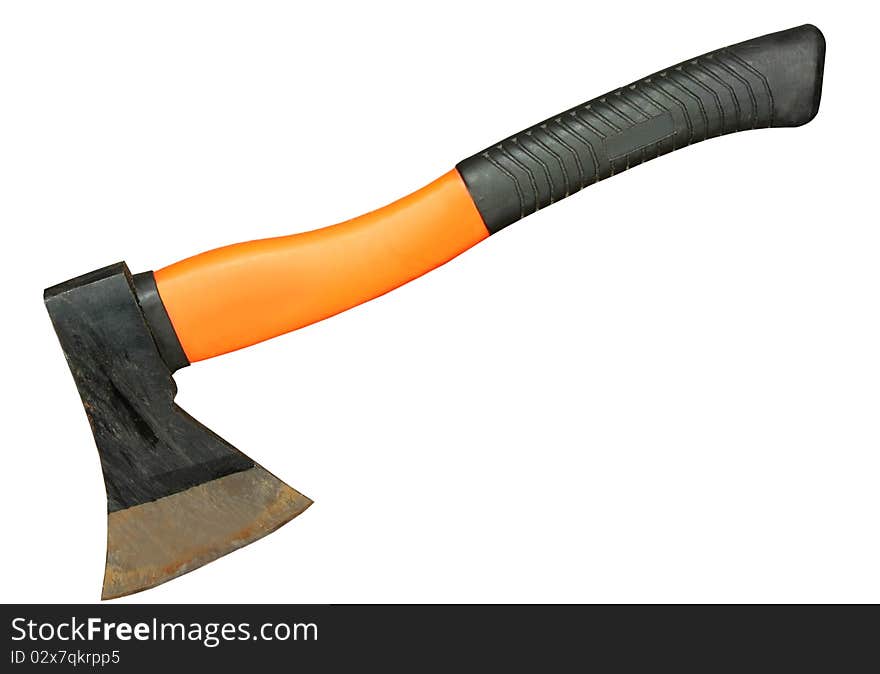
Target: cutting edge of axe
{"type": "Point", "coordinates": [180, 496]}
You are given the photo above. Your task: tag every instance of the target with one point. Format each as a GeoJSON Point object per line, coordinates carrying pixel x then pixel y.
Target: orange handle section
{"type": "Point", "coordinates": [239, 295]}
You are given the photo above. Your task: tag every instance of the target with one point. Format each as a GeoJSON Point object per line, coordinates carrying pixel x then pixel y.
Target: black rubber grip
{"type": "Point", "coordinates": [774, 80]}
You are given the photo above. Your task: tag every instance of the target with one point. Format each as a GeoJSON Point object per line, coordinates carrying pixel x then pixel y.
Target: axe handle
{"type": "Point", "coordinates": [239, 295]}
{"type": "Point", "coordinates": [242, 294]}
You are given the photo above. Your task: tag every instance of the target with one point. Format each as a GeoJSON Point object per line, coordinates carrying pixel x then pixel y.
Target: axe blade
{"type": "Point", "coordinates": [178, 495]}
{"type": "Point", "coordinates": [151, 543]}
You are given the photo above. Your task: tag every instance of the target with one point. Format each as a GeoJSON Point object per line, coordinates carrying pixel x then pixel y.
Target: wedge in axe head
{"type": "Point", "coordinates": [178, 495]}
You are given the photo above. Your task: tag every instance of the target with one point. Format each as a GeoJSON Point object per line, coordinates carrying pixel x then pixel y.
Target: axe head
{"type": "Point", "coordinates": [178, 495]}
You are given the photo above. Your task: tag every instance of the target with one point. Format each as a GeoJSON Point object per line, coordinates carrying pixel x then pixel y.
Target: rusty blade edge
{"type": "Point", "coordinates": [151, 543]}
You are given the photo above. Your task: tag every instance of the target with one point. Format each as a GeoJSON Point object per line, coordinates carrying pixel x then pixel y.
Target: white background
{"type": "Point", "coordinates": [664, 389]}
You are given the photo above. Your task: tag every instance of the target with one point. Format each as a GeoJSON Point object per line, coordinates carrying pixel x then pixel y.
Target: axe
{"type": "Point", "coordinates": [178, 495]}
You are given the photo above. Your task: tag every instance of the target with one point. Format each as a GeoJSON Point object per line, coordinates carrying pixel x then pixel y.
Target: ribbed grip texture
{"type": "Point", "coordinates": [771, 81]}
